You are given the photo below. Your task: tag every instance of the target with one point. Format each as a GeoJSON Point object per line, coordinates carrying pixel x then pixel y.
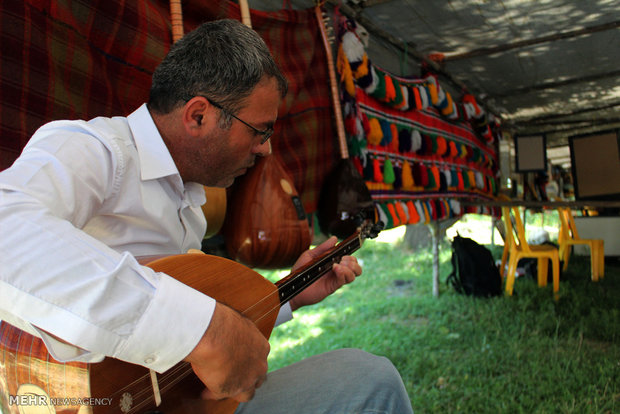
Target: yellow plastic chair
{"type": "Point", "coordinates": [568, 236]}
{"type": "Point", "coordinates": [517, 248]}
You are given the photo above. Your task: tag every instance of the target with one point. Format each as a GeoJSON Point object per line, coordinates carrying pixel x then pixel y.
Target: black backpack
{"type": "Point", "coordinates": [473, 269]}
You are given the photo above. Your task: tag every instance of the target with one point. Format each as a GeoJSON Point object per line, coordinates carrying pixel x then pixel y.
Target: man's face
{"type": "Point", "coordinates": [230, 152]}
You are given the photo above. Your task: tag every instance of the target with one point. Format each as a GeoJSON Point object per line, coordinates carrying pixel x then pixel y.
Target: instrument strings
{"type": "Point", "coordinates": [183, 369]}
{"type": "Point", "coordinates": [328, 257]}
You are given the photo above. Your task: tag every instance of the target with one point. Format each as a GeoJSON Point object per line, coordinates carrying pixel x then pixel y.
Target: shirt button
{"type": "Point", "coordinates": [150, 359]}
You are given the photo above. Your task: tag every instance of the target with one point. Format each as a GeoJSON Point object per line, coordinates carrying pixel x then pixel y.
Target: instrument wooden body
{"type": "Point", "coordinates": [266, 226]}
{"type": "Point", "coordinates": [129, 386]}
{"type": "Point", "coordinates": [214, 210]}
{"type": "Point", "coordinates": [30, 377]}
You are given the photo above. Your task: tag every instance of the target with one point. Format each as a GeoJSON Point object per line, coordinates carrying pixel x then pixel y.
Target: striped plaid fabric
{"type": "Point", "coordinates": [78, 59]}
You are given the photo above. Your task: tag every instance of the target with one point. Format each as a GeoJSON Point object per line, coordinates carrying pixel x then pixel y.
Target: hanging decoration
{"type": "Point", "coordinates": [419, 149]}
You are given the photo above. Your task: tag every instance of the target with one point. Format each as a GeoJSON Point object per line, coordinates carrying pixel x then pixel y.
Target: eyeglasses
{"type": "Point", "coordinates": [267, 133]}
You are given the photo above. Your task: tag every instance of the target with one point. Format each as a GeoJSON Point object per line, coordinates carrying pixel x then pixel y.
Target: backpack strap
{"type": "Point", "coordinates": [453, 277]}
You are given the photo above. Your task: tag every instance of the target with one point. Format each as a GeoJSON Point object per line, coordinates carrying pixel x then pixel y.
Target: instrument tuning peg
{"type": "Point", "coordinates": [376, 229]}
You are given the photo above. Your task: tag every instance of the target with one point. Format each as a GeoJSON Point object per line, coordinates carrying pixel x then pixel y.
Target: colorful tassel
{"type": "Point", "coordinates": [416, 141]}
{"type": "Point", "coordinates": [472, 179]}
{"type": "Point", "coordinates": [457, 114]}
{"type": "Point", "coordinates": [466, 182]}
{"type": "Point", "coordinates": [390, 218]}
{"type": "Point", "coordinates": [420, 210]}
{"type": "Point", "coordinates": [423, 144]}
{"type": "Point", "coordinates": [383, 216]}
{"type": "Point", "coordinates": [400, 211]}
{"type": "Point", "coordinates": [449, 108]}
{"type": "Point", "coordinates": [419, 174]}
{"type": "Point", "coordinates": [442, 101]}
{"type": "Point", "coordinates": [386, 130]}
{"type": "Point", "coordinates": [359, 128]}
{"type": "Point", "coordinates": [350, 125]}
{"type": "Point", "coordinates": [379, 91]}
{"type": "Point", "coordinates": [388, 172]}
{"type": "Point", "coordinates": [352, 46]}
{"type": "Point", "coordinates": [404, 141]}
{"type": "Point", "coordinates": [395, 220]}
{"type": "Point", "coordinates": [375, 135]}
{"type": "Point", "coordinates": [346, 75]}
{"type": "Point", "coordinates": [408, 182]}
{"type": "Point", "coordinates": [397, 100]}
{"type": "Point", "coordinates": [424, 97]}
{"type": "Point", "coordinates": [356, 146]}
{"type": "Point", "coordinates": [365, 123]}
{"type": "Point", "coordinates": [394, 143]}
{"type": "Point", "coordinates": [461, 182]}
{"type": "Point", "coordinates": [432, 183]}
{"type": "Point", "coordinates": [442, 145]}
{"type": "Point", "coordinates": [463, 151]}
{"type": "Point", "coordinates": [469, 111]}
{"type": "Point", "coordinates": [432, 92]}
{"type": "Point", "coordinates": [447, 208]}
{"type": "Point", "coordinates": [453, 149]}
{"type": "Point", "coordinates": [443, 182]}
{"type": "Point", "coordinates": [390, 92]}
{"type": "Point", "coordinates": [427, 145]}
{"type": "Point", "coordinates": [448, 177]}
{"type": "Point", "coordinates": [443, 211]}
{"type": "Point", "coordinates": [454, 179]}
{"type": "Point", "coordinates": [434, 147]}
{"type": "Point", "coordinates": [469, 98]}
{"type": "Point", "coordinates": [404, 99]}
{"type": "Point", "coordinates": [376, 169]}
{"type": "Point", "coordinates": [366, 81]}
{"type": "Point", "coordinates": [374, 81]}
{"type": "Point", "coordinates": [479, 180]}
{"type": "Point", "coordinates": [417, 98]}
{"type": "Point", "coordinates": [358, 165]}
{"type": "Point", "coordinates": [455, 206]}
{"type": "Point", "coordinates": [362, 69]}
{"type": "Point", "coordinates": [427, 213]}
{"type": "Point", "coordinates": [414, 217]}
{"type": "Point", "coordinates": [398, 176]}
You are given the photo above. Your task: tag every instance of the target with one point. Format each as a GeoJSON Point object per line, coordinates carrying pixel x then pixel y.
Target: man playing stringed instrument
{"type": "Point", "coordinates": [86, 198]}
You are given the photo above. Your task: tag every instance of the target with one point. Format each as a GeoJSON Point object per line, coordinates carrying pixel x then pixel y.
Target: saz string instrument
{"type": "Point", "coordinates": [30, 379]}
{"type": "Point", "coordinates": [344, 193]}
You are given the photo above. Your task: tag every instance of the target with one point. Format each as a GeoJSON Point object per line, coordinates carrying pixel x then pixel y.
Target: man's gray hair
{"type": "Point", "coordinates": [223, 60]}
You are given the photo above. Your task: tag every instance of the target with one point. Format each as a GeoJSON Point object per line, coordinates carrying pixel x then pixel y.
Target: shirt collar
{"type": "Point", "coordinates": [155, 159]}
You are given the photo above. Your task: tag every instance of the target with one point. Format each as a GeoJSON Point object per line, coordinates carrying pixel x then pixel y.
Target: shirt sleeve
{"type": "Point", "coordinates": [58, 282]}
{"type": "Point", "coordinates": [285, 314]}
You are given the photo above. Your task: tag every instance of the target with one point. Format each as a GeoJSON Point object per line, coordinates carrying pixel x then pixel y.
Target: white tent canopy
{"type": "Point", "coordinates": [543, 66]}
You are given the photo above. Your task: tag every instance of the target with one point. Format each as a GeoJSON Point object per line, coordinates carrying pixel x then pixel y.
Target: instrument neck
{"type": "Point", "coordinates": [300, 279]}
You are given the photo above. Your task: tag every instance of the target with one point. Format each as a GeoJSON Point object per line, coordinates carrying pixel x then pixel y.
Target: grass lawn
{"type": "Point", "coordinates": [521, 354]}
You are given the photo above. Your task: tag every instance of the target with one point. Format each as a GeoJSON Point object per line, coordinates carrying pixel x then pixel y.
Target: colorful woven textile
{"type": "Point", "coordinates": [62, 59]}
{"type": "Point", "coordinates": [418, 149]}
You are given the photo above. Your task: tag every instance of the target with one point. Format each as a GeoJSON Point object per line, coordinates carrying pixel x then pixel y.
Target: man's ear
{"type": "Point", "coordinates": [196, 114]}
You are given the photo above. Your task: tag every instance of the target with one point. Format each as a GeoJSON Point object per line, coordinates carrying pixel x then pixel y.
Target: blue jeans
{"type": "Point", "coordinates": [345, 381]}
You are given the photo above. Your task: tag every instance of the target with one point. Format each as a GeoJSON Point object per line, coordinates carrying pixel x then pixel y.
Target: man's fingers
{"type": "Point", "coordinates": [323, 247]}
{"type": "Point", "coordinates": [352, 263]}
{"type": "Point", "coordinates": [348, 269]}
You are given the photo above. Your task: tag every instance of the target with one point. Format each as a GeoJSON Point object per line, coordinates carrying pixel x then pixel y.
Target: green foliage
{"type": "Point", "coordinates": [527, 353]}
